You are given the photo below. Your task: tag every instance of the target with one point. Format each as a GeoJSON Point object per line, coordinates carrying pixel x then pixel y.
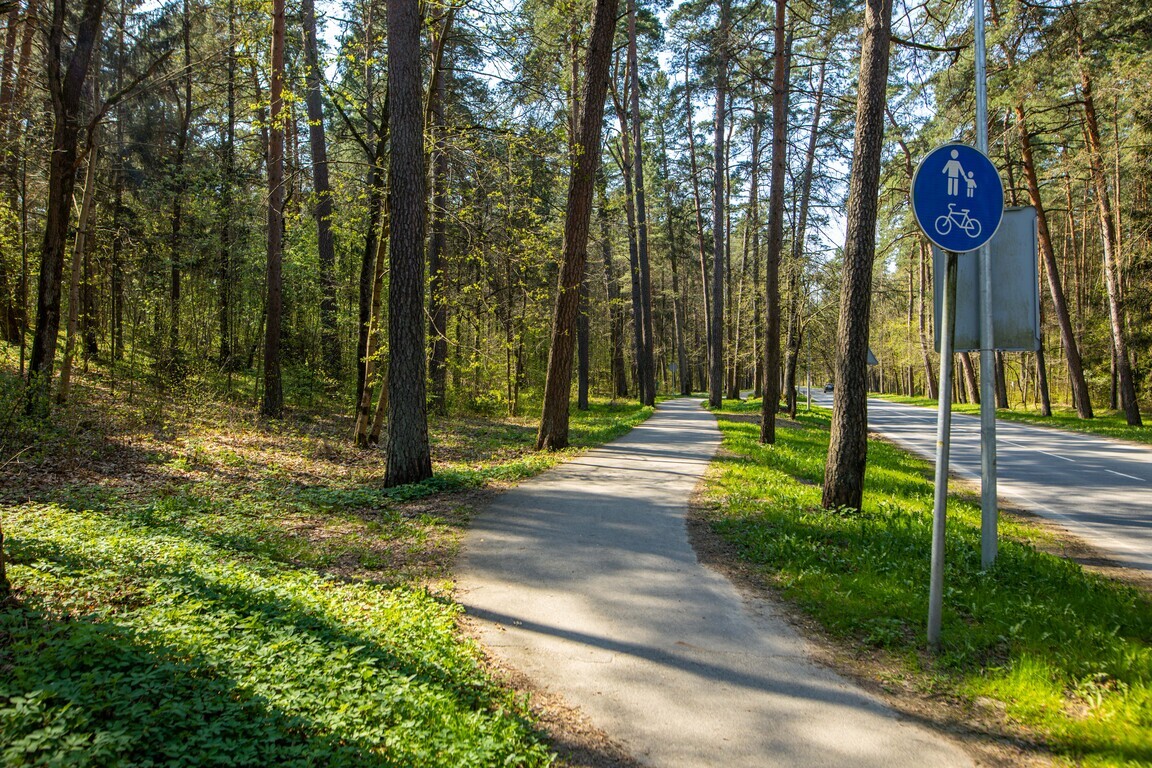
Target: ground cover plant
{"type": "Point", "coordinates": [1105, 423]}
{"type": "Point", "coordinates": [195, 587]}
{"type": "Point", "coordinates": [1064, 654]}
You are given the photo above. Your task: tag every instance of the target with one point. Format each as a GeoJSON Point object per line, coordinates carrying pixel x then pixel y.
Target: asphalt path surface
{"type": "Point", "coordinates": [584, 580]}
{"type": "Point", "coordinates": [1099, 489]}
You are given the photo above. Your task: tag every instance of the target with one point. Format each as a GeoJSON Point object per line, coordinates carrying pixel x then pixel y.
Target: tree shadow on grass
{"type": "Point", "coordinates": [229, 667]}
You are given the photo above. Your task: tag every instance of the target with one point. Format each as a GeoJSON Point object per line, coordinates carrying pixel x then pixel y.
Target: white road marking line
{"type": "Point", "coordinates": [1130, 477]}
{"type": "Point", "coordinates": [1058, 456]}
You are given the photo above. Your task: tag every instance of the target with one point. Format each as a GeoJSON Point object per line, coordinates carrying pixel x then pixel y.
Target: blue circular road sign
{"type": "Point", "coordinates": [957, 197]}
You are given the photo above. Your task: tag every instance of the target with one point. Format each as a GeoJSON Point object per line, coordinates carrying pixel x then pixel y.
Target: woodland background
{"type": "Point", "coordinates": [166, 279]}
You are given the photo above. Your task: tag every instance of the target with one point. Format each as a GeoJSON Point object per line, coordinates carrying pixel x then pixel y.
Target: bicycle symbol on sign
{"type": "Point", "coordinates": [960, 219]}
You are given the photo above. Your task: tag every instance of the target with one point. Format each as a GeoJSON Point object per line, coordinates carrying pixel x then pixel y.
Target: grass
{"type": "Point", "coordinates": [196, 587]}
{"type": "Point", "coordinates": [1105, 423]}
{"type": "Point", "coordinates": [1067, 653]}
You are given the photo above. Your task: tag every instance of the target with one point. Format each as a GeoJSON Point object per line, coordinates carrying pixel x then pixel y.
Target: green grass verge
{"type": "Point", "coordinates": [194, 617]}
{"type": "Point", "coordinates": [1068, 652]}
{"type": "Point", "coordinates": [1106, 423]}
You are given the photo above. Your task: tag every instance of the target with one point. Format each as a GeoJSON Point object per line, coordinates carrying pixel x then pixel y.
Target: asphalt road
{"type": "Point", "coordinates": [583, 579]}
{"type": "Point", "coordinates": [1097, 488]}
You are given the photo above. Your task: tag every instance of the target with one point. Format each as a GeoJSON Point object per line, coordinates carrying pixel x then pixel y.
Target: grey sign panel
{"type": "Point", "coordinates": [1015, 288]}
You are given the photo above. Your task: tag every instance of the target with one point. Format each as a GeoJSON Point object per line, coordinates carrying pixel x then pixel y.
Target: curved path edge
{"type": "Point", "coordinates": [584, 580]}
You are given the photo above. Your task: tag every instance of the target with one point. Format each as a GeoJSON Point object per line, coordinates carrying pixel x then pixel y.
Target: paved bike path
{"type": "Point", "coordinates": [583, 579]}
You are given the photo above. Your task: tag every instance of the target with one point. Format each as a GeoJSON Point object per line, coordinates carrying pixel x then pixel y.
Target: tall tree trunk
{"type": "Point", "coordinates": [930, 383]}
{"type": "Point", "coordinates": [582, 349]}
{"type": "Point", "coordinates": [615, 302]}
{"type": "Point", "coordinates": [273, 403]}
{"type": "Point", "coordinates": [408, 456]}
{"type": "Point", "coordinates": [691, 130]}
{"type": "Point", "coordinates": [684, 374]}
{"type": "Point", "coordinates": [848, 444]}
{"type": "Point", "coordinates": [795, 303]}
{"type": "Point", "coordinates": [1080, 397]}
{"type": "Point", "coordinates": [329, 334]}
{"type": "Point", "coordinates": [971, 388]}
{"type": "Point", "coordinates": [1126, 383]}
{"type": "Point", "coordinates": [12, 309]}
{"type": "Point", "coordinates": [364, 418]}
{"type": "Point", "coordinates": [373, 147]}
{"type": "Point", "coordinates": [79, 253]}
{"type": "Point", "coordinates": [438, 240]}
{"type": "Point", "coordinates": [1001, 383]}
{"type": "Point", "coordinates": [719, 230]}
{"type": "Point", "coordinates": [176, 236]}
{"type": "Point", "coordinates": [228, 232]}
{"type": "Point", "coordinates": [553, 433]}
{"type": "Point", "coordinates": [776, 230]}
{"type": "Point", "coordinates": [633, 263]}
{"type": "Point", "coordinates": [65, 85]}
{"type": "Point", "coordinates": [642, 260]}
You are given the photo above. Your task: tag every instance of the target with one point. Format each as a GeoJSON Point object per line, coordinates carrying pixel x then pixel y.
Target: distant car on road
{"type": "Point", "coordinates": [828, 387]}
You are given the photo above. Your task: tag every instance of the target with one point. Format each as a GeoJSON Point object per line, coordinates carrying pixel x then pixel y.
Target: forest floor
{"type": "Point", "coordinates": [189, 577]}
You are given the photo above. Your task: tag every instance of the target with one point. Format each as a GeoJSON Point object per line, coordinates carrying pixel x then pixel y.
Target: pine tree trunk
{"type": "Point", "coordinates": [704, 290]}
{"type": "Point", "coordinates": [273, 402]}
{"type": "Point", "coordinates": [1125, 381]}
{"type": "Point", "coordinates": [318, 146]}
{"type": "Point", "coordinates": [553, 434]}
{"type": "Point", "coordinates": [848, 444]}
{"type": "Point", "coordinates": [83, 229]}
{"type": "Point", "coordinates": [65, 83]}
{"type": "Point", "coordinates": [642, 261]}
{"type": "Point", "coordinates": [776, 231]}
{"type": "Point", "coordinates": [615, 302]}
{"type": "Point", "coordinates": [719, 198]}
{"type": "Point", "coordinates": [407, 455]}
{"type": "Point", "coordinates": [1080, 397]}
{"type": "Point", "coordinates": [438, 239]}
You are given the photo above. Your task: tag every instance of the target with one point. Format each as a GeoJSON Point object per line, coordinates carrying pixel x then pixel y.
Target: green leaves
{"type": "Point", "coordinates": [1067, 653]}
{"type": "Point", "coordinates": [227, 658]}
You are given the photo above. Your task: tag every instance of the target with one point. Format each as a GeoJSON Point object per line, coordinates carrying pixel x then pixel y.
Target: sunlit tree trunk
{"type": "Point", "coordinates": [848, 443]}
{"type": "Point", "coordinates": [553, 433]}
{"type": "Point", "coordinates": [65, 84]}
{"type": "Point", "coordinates": [719, 197]}
{"type": "Point", "coordinates": [273, 403]}
{"type": "Point", "coordinates": [438, 214]}
{"type": "Point", "coordinates": [323, 209]}
{"type": "Point", "coordinates": [776, 230]}
{"type": "Point", "coordinates": [1126, 384]}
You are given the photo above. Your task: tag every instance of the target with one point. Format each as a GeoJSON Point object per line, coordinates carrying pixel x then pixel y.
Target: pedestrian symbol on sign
{"type": "Point", "coordinates": [957, 197]}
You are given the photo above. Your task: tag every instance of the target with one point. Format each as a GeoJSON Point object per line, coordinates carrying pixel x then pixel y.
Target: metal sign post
{"type": "Point", "coordinates": [958, 201]}
{"type": "Point", "coordinates": [943, 444]}
{"type": "Point", "coordinates": [988, 507]}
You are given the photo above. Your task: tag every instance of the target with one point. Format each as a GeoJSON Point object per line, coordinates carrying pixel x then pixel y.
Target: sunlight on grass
{"type": "Point", "coordinates": [212, 589]}
{"type": "Point", "coordinates": [1068, 652]}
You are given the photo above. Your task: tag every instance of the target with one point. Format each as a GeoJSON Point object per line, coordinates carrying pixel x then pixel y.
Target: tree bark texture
{"type": "Point", "coordinates": [65, 85]}
{"type": "Point", "coordinates": [775, 253]}
{"type": "Point", "coordinates": [848, 444]}
{"type": "Point", "coordinates": [438, 239]}
{"type": "Point", "coordinates": [719, 230]}
{"type": "Point", "coordinates": [648, 369]}
{"type": "Point", "coordinates": [408, 458]}
{"type": "Point", "coordinates": [322, 210]}
{"type": "Point", "coordinates": [1126, 383]}
{"type": "Point", "coordinates": [553, 433]}
{"type": "Point", "coordinates": [273, 404]}
{"type": "Point", "coordinates": [1080, 398]}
